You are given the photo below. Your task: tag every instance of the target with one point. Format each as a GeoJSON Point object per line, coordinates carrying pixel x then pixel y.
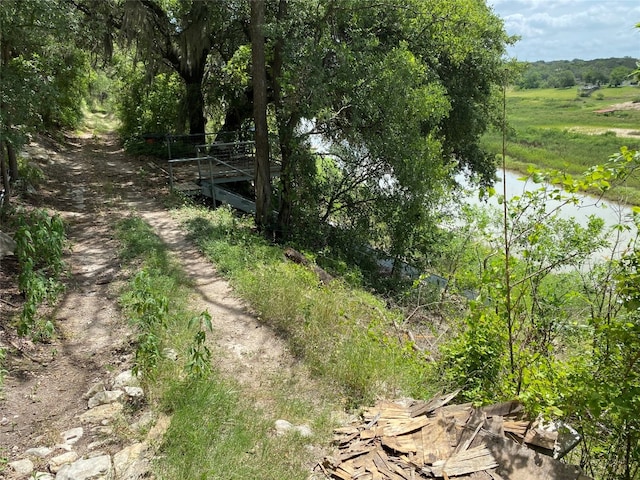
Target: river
{"type": "Point", "coordinates": [612, 213]}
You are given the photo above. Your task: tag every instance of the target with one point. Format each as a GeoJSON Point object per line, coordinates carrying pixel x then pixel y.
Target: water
{"type": "Point", "coordinates": [612, 213]}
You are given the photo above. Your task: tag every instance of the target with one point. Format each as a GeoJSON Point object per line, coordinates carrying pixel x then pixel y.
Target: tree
{"type": "Point", "coordinates": [565, 79]}
{"type": "Point", "coordinates": [43, 74]}
{"type": "Point", "coordinates": [619, 75]}
{"type": "Point", "coordinates": [407, 88]}
{"type": "Point", "coordinates": [184, 36]}
{"type": "Point", "coordinates": [263, 172]}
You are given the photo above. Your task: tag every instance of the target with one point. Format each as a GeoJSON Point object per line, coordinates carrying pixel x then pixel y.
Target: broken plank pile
{"type": "Point", "coordinates": [415, 439]}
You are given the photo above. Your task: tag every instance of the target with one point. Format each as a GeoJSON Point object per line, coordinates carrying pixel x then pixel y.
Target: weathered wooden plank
{"type": "Point", "coordinates": [516, 427]}
{"type": "Point", "coordinates": [462, 463]}
{"type": "Point", "coordinates": [439, 440]}
{"type": "Point", "coordinates": [402, 428]}
{"type": "Point", "coordinates": [433, 404]}
{"type": "Point", "coordinates": [504, 409]}
{"type": "Point", "coordinates": [541, 438]}
{"type": "Point", "coordinates": [517, 462]}
{"type": "Point", "coordinates": [403, 443]}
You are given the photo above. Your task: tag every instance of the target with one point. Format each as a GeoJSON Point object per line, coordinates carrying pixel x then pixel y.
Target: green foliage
{"type": "Point", "coordinates": [552, 330]}
{"type": "Point", "coordinates": [199, 364]}
{"type": "Point", "coordinates": [30, 174]}
{"type": "Point", "coordinates": [610, 70]}
{"type": "Point", "coordinates": [44, 75]}
{"type": "Point", "coordinates": [218, 434]}
{"type": "Point", "coordinates": [40, 241]}
{"type": "Point", "coordinates": [149, 107]}
{"type": "Point", "coordinates": [475, 360]}
{"type": "Point", "coordinates": [148, 310]}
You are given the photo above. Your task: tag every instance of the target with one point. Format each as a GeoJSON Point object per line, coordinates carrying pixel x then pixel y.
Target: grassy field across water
{"type": "Point", "coordinates": [559, 129]}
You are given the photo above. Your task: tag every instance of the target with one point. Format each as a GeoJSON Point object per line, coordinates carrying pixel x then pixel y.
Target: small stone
{"type": "Point", "coordinates": [22, 467]}
{"type": "Point", "coordinates": [98, 387]}
{"type": "Point", "coordinates": [4, 421]}
{"type": "Point", "coordinates": [57, 462]}
{"type": "Point", "coordinates": [145, 421]}
{"type": "Point", "coordinates": [171, 354]}
{"type": "Point", "coordinates": [125, 379]}
{"type": "Point", "coordinates": [105, 396]}
{"type": "Point", "coordinates": [303, 430]}
{"type": "Point", "coordinates": [43, 476]}
{"type": "Point", "coordinates": [102, 414]}
{"type": "Point", "coordinates": [71, 436]}
{"type": "Point", "coordinates": [98, 468]}
{"type": "Point", "coordinates": [282, 427]}
{"type": "Point", "coordinates": [135, 393]}
{"type": "Point", "coordinates": [98, 444]}
{"type": "Point", "coordinates": [156, 433]}
{"type": "Point", "coordinates": [126, 457]}
{"type": "Point", "coordinates": [40, 452]}
{"type": "Point", "coordinates": [102, 430]}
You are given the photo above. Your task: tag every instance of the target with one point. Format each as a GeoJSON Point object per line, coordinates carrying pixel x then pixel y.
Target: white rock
{"type": "Point", "coordinates": [41, 452]}
{"type": "Point", "coordinates": [145, 421]}
{"type": "Point", "coordinates": [7, 245]}
{"type": "Point", "coordinates": [98, 387]}
{"type": "Point", "coordinates": [282, 427]}
{"type": "Point", "coordinates": [98, 444]}
{"type": "Point", "coordinates": [22, 467]}
{"type": "Point", "coordinates": [303, 430]}
{"type": "Point", "coordinates": [125, 379]}
{"type": "Point", "coordinates": [102, 414]}
{"type": "Point", "coordinates": [43, 476]}
{"type": "Point", "coordinates": [170, 353]}
{"type": "Point", "coordinates": [71, 436]}
{"type": "Point", "coordinates": [98, 468]}
{"type": "Point", "coordinates": [59, 461]}
{"type": "Point", "coordinates": [135, 393]}
{"type": "Point", "coordinates": [106, 396]}
{"type": "Point", "coordinates": [127, 457]}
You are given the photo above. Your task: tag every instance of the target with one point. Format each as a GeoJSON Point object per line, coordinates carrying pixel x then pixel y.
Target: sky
{"type": "Point", "coordinates": [571, 29]}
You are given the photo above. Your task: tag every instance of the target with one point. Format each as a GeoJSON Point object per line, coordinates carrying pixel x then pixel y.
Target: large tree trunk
{"type": "Point", "coordinates": [262, 172]}
{"type": "Point", "coordinates": [240, 109]}
{"type": "Point", "coordinates": [286, 132]}
{"type": "Point", "coordinates": [4, 174]}
{"type": "Point", "coordinates": [195, 107]}
{"type": "Point", "coordinates": [13, 162]}
{"type": "Point", "coordinates": [286, 126]}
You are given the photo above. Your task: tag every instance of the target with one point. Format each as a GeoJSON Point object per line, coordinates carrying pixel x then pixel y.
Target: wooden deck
{"type": "Point", "coordinates": [214, 165]}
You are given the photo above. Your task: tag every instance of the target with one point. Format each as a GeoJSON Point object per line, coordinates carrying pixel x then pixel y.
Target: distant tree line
{"type": "Point", "coordinates": [568, 73]}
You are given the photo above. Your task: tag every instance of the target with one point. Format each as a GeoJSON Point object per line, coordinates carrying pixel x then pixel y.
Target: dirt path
{"type": "Point", "coordinates": [92, 184]}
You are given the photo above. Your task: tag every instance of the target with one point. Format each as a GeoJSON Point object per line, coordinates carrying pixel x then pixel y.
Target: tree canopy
{"type": "Point", "coordinates": [401, 89]}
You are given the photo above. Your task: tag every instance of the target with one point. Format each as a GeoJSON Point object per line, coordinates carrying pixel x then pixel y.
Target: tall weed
{"type": "Point", "coordinates": [40, 241]}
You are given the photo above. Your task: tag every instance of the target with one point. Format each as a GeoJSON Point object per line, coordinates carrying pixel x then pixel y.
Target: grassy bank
{"type": "Point", "coordinates": [557, 129]}
{"type": "Point", "coordinates": [345, 336]}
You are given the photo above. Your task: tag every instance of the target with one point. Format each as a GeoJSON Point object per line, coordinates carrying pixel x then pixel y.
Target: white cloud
{"type": "Point", "coordinates": [568, 29]}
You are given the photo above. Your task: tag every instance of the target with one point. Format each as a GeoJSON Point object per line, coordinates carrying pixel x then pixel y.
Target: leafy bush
{"type": "Point", "coordinates": [40, 240]}
{"type": "Point", "coordinates": [153, 107]}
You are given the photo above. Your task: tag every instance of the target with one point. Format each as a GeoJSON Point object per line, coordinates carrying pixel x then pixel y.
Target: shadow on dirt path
{"type": "Point", "coordinates": [92, 184]}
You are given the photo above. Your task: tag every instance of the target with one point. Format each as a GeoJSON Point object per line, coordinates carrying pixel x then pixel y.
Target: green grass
{"type": "Point", "coordinates": [556, 129]}
{"type": "Point", "coordinates": [98, 122]}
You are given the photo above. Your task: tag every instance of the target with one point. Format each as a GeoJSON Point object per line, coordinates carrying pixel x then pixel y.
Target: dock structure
{"type": "Point", "coordinates": [216, 170]}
